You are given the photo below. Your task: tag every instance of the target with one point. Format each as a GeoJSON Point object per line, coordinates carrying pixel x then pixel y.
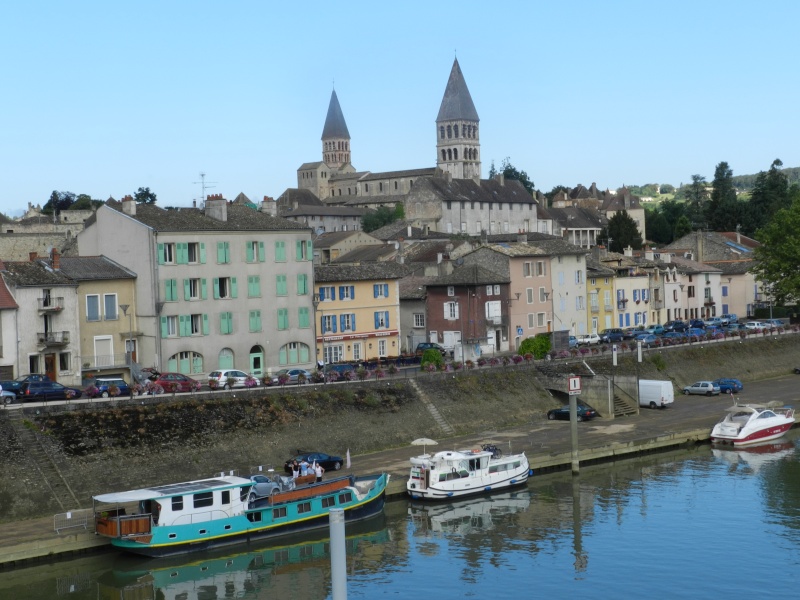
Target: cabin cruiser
{"type": "Point", "coordinates": [753, 423]}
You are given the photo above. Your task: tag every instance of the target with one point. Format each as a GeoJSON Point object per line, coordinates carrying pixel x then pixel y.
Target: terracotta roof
{"type": "Point", "coordinates": [6, 299]}
{"type": "Point", "coordinates": [365, 272]}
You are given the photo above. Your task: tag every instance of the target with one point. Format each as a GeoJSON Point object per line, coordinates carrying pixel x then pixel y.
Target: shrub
{"type": "Point", "coordinates": [393, 370]}
{"type": "Point", "coordinates": [301, 378]}
{"type": "Point", "coordinates": [517, 359]}
{"type": "Point", "coordinates": [481, 362]}
{"type": "Point", "coordinates": [538, 345]}
{"type": "Point", "coordinates": [230, 382]}
{"type": "Point", "coordinates": [457, 366]}
{"type": "Point", "coordinates": [250, 382]}
{"type": "Point", "coordinates": [528, 357]}
{"type": "Point", "coordinates": [469, 364]}
{"type": "Point", "coordinates": [432, 356]}
{"type": "Point", "coordinates": [213, 383]}
{"type": "Point", "coordinates": [380, 373]}
{"type": "Point", "coordinates": [113, 391]}
{"type": "Point", "coordinates": [363, 374]}
{"type": "Point", "coordinates": [91, 391]}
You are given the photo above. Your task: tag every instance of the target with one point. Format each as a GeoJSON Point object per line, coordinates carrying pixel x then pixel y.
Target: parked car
{"type": "Point", "coordinates": [712, 322]}
{"type": "Point", "coordinates": [43, 391]}
{"type": "Point", "coordinates": [756, 325]}
{"type": "Point", "coordinates": [728, 385]}
{"type": "Point", "coordinates": [104, 384]}
{"type": "Point", "coordinates": [715, 331]}
{"type": "Point", "coordinates": [228, 378]}
{"type": "Point", "coordinates": [702, 388]}
{"type": "Point", "coordinates": [329, 462]}
{"type": "Point", "coordinates": [585, 413]}
{"type": "Point", "coordinates": [588, 339]}
{"type": "Point", "coordinates": [655, 329]}
{"type": "Point", "coordinates": [697, 323]}
{"type": "Point", "coordinates": [422, 346]}
{"type": "Point", "coordinates": [15, 385]}
{"type": "Point", "coordinates": [610, 336]}
{"type": "Point", "coordinates": [293, 376]}
{"type": "Point", "coordinates": [341, 370]}
{"type": "Point", "coordinates": [674, 336]}
{"type": "Point", "coordinates": [181, 382]}
{"type": "Point", "coordinates": [630, 333]}
{"type": "Point", "coordinates": [695, 332]}
{"type": "Point", "coordinates": [573, 341]}
{"type": "Point", "coordinates": [774, 323]}
{"type": "Point", "coordinates": [8, 397]}
{"type": "Point", "coordinates": [648, 340]}
{"type": "Point", "coordinates": [729, 318]}
{"type": "Point", "coordinates": [679, 326]}
{"type": "Point", "coordinates": [735, 328]}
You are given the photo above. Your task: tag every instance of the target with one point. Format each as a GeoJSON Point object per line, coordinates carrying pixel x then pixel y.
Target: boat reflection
{"type": "Point", "coordinates": [469, 515]}
{"type": "Point", "coordinates": [756, 456]}
{"type": "Point", "coordinates": [300, 567]}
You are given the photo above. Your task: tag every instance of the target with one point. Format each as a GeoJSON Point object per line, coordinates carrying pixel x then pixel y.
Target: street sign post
{"type": "Point", "coordinates": [574, 385]}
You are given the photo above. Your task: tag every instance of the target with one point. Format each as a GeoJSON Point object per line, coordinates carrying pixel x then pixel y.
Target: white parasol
{"type": "Point", "coordinates": [424, 442]}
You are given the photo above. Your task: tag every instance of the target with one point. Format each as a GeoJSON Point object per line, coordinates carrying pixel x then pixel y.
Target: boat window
{"type": "Point", "coordinates": [172, 536]}
{"type": "Point", "coordinates": [277, 513]}
{"type": "Point", "coordinates": [202, 532]}
{"type": "Point", "coordinates": [345, 498]}
{"type": "Point", "coordinates": [767, 414]}
{"type": "Point", "coordinates": [203, 499]}
{"type": "Point", "coordinates": [303, 507]}
{"type": "Point", "coordinates": [243, 491]}
{"type": "Point", "coordinates": [328, 502]}
{"type": "Point", "coordinates": [254, 517]}
{"type": "Point", "coordinates": [226, 496]}
{"type": "Point", "coordinates": [177, 503]}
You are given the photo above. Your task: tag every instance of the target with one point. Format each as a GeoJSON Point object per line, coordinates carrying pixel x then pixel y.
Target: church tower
{"type": "Point", "coordinates": [457, 133]}
{"type": "Point", "coordinates": [335, 136]}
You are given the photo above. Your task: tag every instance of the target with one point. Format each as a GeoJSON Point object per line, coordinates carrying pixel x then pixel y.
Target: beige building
{"type": "Point", "coordinates": [223, 286]}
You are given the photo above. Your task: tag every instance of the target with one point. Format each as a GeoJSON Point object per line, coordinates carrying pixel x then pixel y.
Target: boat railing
{"type": "Point", "coordinates": [117, 524]}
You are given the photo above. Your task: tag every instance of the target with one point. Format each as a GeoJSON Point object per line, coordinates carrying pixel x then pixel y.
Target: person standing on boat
{"type": "Point", "coordinates": [318, 470]}
{"type": "Point", "coordinates": [304, 467]}
{"type": "Point", "coordinates": [295, 470]}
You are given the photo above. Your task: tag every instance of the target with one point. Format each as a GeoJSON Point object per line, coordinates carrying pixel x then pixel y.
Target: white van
{"type": "Point", "coordinates": [655, 393]}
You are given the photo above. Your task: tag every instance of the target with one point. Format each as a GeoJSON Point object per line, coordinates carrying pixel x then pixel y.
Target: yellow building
{"type": "Point", "coordinates": [600, 292]}
{"type": "Point", "coordinates": [357, 311]}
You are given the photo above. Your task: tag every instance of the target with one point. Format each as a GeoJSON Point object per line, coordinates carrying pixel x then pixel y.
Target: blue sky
{"type": "Point", "coordinates": [104, 97]}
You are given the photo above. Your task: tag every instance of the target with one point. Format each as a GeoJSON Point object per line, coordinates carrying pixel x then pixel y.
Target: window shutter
{"type": "Point", "coordinates": [333, 323]}
{"type": "Point", "coordinates": [353, 321]}
{"type": "Point", "coordinates": [249, 248]}
{"type": "Point", "coordinates": [186, 289]}
{"type": "Point", "coordinates": [183, 253]}
{"type": "Point", "coordinates": [386, 320]}
{"type": "Point", "coordinates": [377, 320]}
{"type": "Point", "coordinates": [333, 292]}
{"type": "Point", "coordinates": [164, 327]}
{"type": "Point", "coordinates": [635, 295]}
{"type": "Point", "coordinates": [261, 254]}
{"type": "Point", "coordinates": [182, 325]}
{"type": "Point", "coordinates": [220, 253]}
{"type": "Point", "coordinates": [341, 291]}
{"type": "Point", "coordinates": [385, 290]}
{"type": "Point", "coordinates": [203, 253]}
{"type": "Point", "coordinates": [299, 250]}
{"type": "Point", "coordinates": [456, 307]}
{"type": "Point", "coordinates": [205, 324]}
{"type": "Point", "coordinates": [352, 292]}
{"type": "Point", "coordinates": [447, 310]}
{"type": "Point", "coordinates": [322, 293]}
{"type": "Point", "coordinates": [161, 254]}
{"type": "Point", "coordinates": [375, 291]}
{"type": "Point", "coordinates": [341, 323]}
{"type": "Point", "coordinates": [322, 324]}
{"type": "Point", "coordinates": [309, 249]}
{"type": "Point", "coordinates": [216, 288]}
{"type": "Point", "coordinates": [234, 288]}
{"type": "Point", "coordinates": [203, 289]}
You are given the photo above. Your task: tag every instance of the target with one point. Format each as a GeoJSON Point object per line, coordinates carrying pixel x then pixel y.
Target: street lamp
{"type": "Point", "coordinates": [129, 345]}
{"type": "Point", "coordinates": [550, 322]}
{"type": "Point", "coordinates": [316, 300]}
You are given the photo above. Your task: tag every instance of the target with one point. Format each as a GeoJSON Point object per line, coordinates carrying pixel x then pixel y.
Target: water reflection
{"type": "Point", "coordinates": [753, 458]}
{"type": "Point", "coordinates": [299, 569]}
{"type": "Point", "coordinates": [467, 516]}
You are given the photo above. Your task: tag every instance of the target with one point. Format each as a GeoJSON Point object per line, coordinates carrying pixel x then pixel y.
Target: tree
{"type": "Point", "coordinates": [58, 201]}
{"type": "Point", "coordinates": [682, 227]}
{"type": "Point", "coordinates": [770, 194]}
{"type": "Point", "coordinates": [657, 227]}
{"type": "Point", "coordinates": [554, 192]}
{"type": "Point", "coordinates": [696, 196]}
{"type": "Point", "coordinates": [399, 212]}
{"type": "Point", "coordinates": [777, 255]}
{"type": "Point", "coordinates": [144, 196]}
{"type": "Point", "coordinates": [666, 188]}
{"type": "Point", "coordinates": [85, 202]}
{"type": "Point", "coordinates": [510, 172]}
{"type": "Point", "coordinates": [623, 232]}
{"type": "Point", "coordinates": [375, 219]}
{"type": "Point", "coordinates": [672, 210]}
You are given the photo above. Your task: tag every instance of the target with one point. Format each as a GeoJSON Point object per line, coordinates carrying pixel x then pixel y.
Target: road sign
{"type": "Point", "coordinates": [519, 330]}
{"type": "Point", "coordinates": [574, 386]}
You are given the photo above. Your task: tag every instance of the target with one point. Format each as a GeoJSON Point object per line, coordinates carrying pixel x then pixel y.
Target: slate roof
{"type": "Point", "coordinates": [240, 218]}
{"type": "Point", "coordinates": [371, 253]}
{"type": "Point", "coordinates": [457, 102]}
{"type": "Point", "coordinates": [330, 238]}
{"type": "Point", "coordinates": [574, 217]}
{"type": "Point", "coordinates": [302, 197]}
{"type": "Point", "coordinates": [335, 127]}
{"type": "Point", "coordinates": [427, 172]}
{"type": "Point", "coordinates": [310, 165]}
{"type": "Point", "coordinates": [35, 274]}
{"type": "Point", "coordinates": [616, 202]}
{"type": "Point", "coordinates": [467, 190]}
{"type": "Point", "coordinates": [597, 268]}
{"type": "Point", "coordinates": [325, 211]}
{"type": "Point", "coordinates": [88, 268]}
{"type": "Point", "coordinates": [376, 199]}
{"type": "Point", "coordinates": [365, 272]}
{"type": "Point", "coordinates": [470, 275]}
{"type": "Point", "coordinates": [414, 288]}
{"type": "Point", "coordinates": [554, 246]}
{"type": "Point", "coordinates": [716, 246]}
{"type": "Point", "coordinates": [428, 251]}
{"type": "Point", "coordinates": [398, 229]}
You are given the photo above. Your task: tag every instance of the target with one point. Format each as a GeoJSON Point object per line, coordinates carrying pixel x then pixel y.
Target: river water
{"type": "Point", "coordinates": [697, 523]}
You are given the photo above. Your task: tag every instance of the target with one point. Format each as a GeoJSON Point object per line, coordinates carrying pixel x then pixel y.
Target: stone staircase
{"type": "Point", "coordinates": [42, 462]}
{"type": "Point", "coordinates": [446, 428]}
{"type": "Point", "coordinates": [624, 405]}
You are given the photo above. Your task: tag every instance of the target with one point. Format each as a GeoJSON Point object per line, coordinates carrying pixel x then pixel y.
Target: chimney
{"type": "Point", "coordinates": [522, 238]}
{"type": "Point", "coordinates": [484, 237]}
{"type": "Point", "coordinates": [700, 249]}
{"type": "Point", "coordinates": [500, 178]}
{"type": "Point", "coordinates": [217, 207]}
{"type": "Point", "coordinates": [409, 231]}
{"type": "Point", "coordinates": [649, 254]}
{"type": "Point", "coordinates": [269, 206]}
{"type": "Point", "coordinates": [55, 258]}
{"type": "Point", "coordinates": [738, 235]}
{"type": "Point", "coordinates": [629, 251]}
{"type": "Point", "coordinates": [129, 206]}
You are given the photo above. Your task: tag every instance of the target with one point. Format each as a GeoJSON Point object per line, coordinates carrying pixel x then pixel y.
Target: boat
{"type": "Point", "coordinates": [753, 423]}
{"type": "Point", "coordinates": [457, 473]}
{"type": "Point", "coordinates": [179, 518]}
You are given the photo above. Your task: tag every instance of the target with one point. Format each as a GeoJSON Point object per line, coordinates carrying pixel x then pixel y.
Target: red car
{"type": "Point", "coordinates": [178, 381]}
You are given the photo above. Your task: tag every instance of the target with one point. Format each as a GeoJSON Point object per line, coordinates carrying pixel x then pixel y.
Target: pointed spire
{"type": "Point", "coordinates": [457, 102]}
{"type": "Point", "coordinates": [335, 127]}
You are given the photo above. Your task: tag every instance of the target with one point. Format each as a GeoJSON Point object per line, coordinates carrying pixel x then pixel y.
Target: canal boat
{"type": "Point", "coordinates": [753, 423]}
{"type": "Point", "coordinates": [179, 518]}
{"type": "Point", "coordinates": [457, 473]}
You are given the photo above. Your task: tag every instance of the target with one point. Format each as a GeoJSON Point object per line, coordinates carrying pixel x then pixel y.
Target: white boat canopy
{"type": "Point", "coordinates": [173, 489]}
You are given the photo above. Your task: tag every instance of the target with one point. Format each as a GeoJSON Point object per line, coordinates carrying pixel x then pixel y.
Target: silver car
{"type": "Point", "coordinates": [702, 388]}
{"type": "Point", "coordinates": [228, 378]}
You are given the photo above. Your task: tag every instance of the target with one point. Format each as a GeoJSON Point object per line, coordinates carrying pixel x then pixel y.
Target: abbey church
{"type": "Point", "coordinates": [450, 197]}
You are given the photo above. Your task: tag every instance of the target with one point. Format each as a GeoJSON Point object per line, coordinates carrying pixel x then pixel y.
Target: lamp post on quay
{"type": "Point", "coordinates": [316, 301]}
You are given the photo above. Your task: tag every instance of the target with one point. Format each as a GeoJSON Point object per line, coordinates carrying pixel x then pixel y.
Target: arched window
{"type": "Point", "coordinates": [449, 154]}
{"type": "Point", "coordinates": [444, 154]}
{"type": "Point", "coordinates": [455, 130]}
{"type": "Point", "coordinates": [225, 360]}
{"type": "Point", "coordinates": [449, 132]}
{"type": "Point", "coordinates": [293, 353]}
{"type": "Point", "coordinates": [441, 131]}
{"type": "Point", "coordinates": [455, 153]}
{"type": "Point", "coordinates": [186, 363]}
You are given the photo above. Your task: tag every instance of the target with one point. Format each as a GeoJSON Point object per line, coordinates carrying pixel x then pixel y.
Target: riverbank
{"type": "Point", "coordinates": [88, 450]}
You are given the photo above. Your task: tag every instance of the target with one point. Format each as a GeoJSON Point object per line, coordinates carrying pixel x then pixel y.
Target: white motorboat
{"type": "Point", "coordinates": [753, 423]}
{"type": "Point", "coordinates": [457, 473]}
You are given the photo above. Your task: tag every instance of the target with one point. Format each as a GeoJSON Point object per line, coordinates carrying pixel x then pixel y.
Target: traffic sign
{"type": "Point", "coordinates": [574, 385]}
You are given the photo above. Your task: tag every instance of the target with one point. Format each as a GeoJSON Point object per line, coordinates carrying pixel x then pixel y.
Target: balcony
{"type": "Point", "coordinates": [51, 304]}
{"type": "Point", "coordinates": [53, 338]}
{"type": "Point", "coordinates": [709, 302]}
{"type": "Point", "coordinates": [594, 308]}
{"type": "Point", "coordinates": [102, 361]}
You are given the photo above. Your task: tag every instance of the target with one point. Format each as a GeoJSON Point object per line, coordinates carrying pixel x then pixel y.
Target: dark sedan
{"type": "Point", "coordinates": [585, 413]}
{"type": "Point", "coordinates": [328, 461]}
{"type": "Point", "coordinates": [42, 391]}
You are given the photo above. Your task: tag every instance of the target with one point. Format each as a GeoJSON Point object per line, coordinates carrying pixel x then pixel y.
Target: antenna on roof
{"type": "Point", "coordinates": [204, 185]}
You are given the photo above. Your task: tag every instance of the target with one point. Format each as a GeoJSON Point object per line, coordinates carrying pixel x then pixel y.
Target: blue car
{"type": "Point", "coordinates": [694, 331]}
{"type": "Point", "coordinates": [648, 340]}
{"type": "Point", "coordinates": [729, 386]}
{"type": "Point", "coordinates": [105, 387]}
{"type": "Point", "coordinates": [675, 336]}
{"type": "Point", "coordinates": [655, 329]}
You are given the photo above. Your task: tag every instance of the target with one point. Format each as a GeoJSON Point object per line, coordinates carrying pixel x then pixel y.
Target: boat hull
{"type": "Point", "coordinates": [443, 493]}
{"type": "Point", "coordinates": [752, 437]}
